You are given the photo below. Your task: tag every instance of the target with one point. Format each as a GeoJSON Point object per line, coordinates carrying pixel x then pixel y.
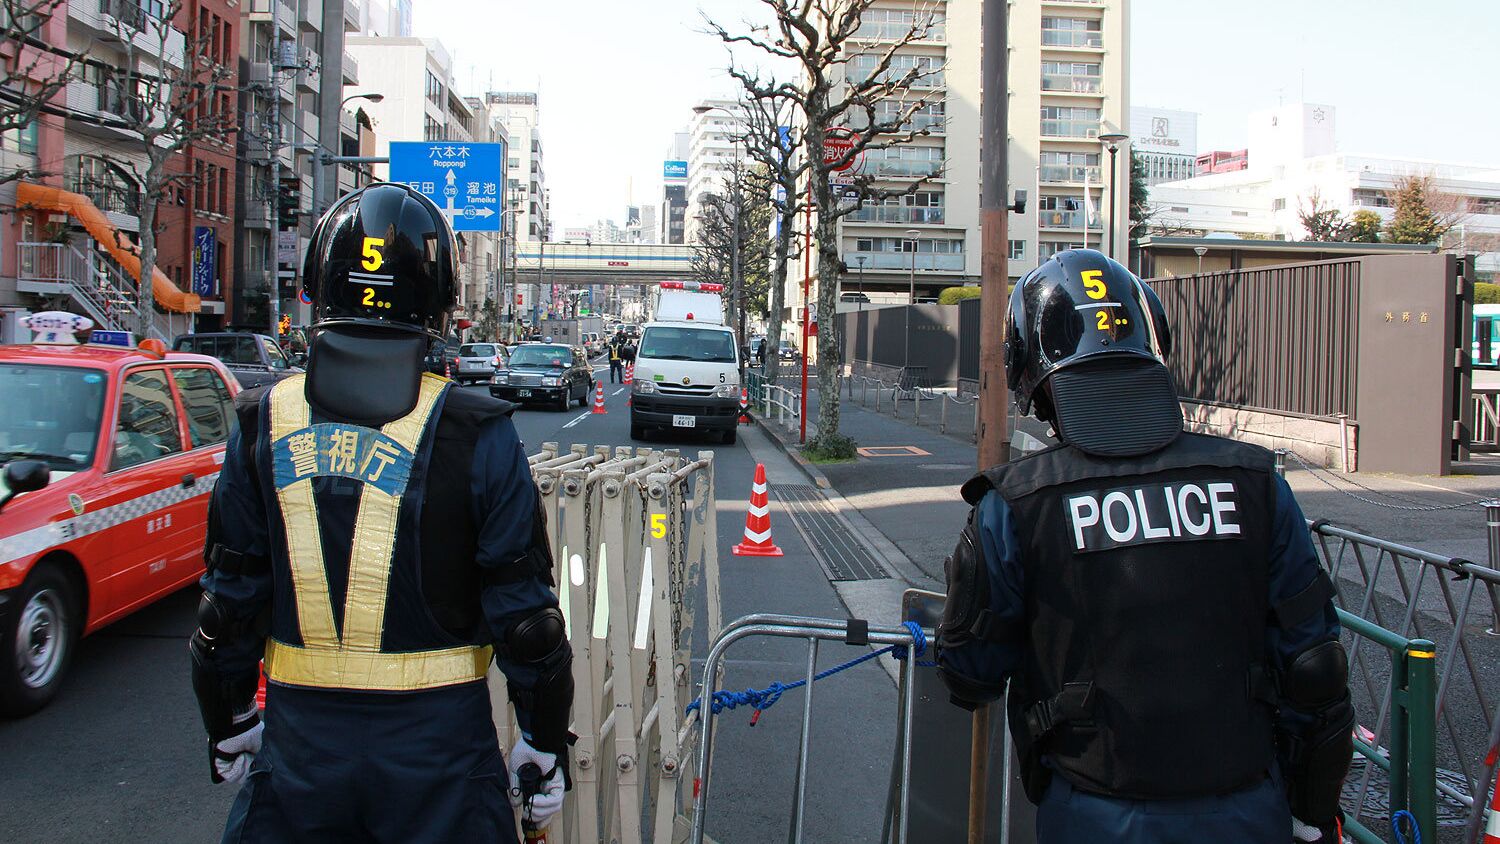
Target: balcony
{"type": "Point", "coordinates": [1082, 130]}
{"type": "Point", "coordinates": [351, 15]}
{"type": "Point", "coordinates": [1063, 220]}
{"type": "Point", "coordinates": [106, 196]}
{"type": "Point", "coordinates": [888, 169]}
{"type": "Point", "coordinates": [350, 70]}
{"type": "Point", "coordinates": [311, 17]}
{"type": "Point", "coordinates": [905, 214]}
{"type": "Point", "coordinates": [1064, 173]}
{"type": "Point", "coordinates": [892, 31]}
{"type": "Point", "coordinates": [309, 70]}
{"type": "Point", "coordinates": [926, 261]}
{"type": "Point", "coordinates": [925, 79]}
{"type": "Point", "coordinates": [1072, 38]}
{"type": "Point", "coordinates": [1068, 83]}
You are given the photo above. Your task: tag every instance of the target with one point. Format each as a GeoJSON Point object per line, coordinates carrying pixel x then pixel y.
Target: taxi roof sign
{"type": "Point", "coordinates": [56, 328]}
{"type": "Point", "coordinates": [122, 339]}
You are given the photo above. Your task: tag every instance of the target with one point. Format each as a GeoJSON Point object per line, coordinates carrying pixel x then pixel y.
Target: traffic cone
{"type": "Point", "coordinates": [745, 407]}
{"type": "Point", "coordinates": [630, 372]}
{"type": "Point", "coordinates": [757, 541]}
{"type": "Point", "coordinates": [1492, 825]}
{"type": "Point", "coordinates": [599, 397]}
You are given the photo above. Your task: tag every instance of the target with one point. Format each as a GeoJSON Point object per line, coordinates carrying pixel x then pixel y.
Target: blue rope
{"type": "Point", "coordinates": [763, 699]}
{"type": "Point", "coordinates": [1416, 831]}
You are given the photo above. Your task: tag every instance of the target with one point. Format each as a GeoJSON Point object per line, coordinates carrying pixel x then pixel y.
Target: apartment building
{"type": "Point", "coordinates": [1166, 143]}
{"type": "Point", "coordinates": [291, 104]}
{"type": "Point", "coordinates": [1067, 90]}
{"type": "Point", "coordinates": [713, 151]}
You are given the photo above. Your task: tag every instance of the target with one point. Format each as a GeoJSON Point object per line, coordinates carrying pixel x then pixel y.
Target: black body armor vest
{"type": "Point", "coordinates": [1146, 611]}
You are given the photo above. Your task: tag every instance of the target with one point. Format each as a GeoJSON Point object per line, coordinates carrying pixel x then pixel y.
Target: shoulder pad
{"type": "Point", "coordinates": [975, 488]}
{"type": "Point", "coordinates": [1247, 455]}
{"type": "Point", "coordinates": [251, 398]}
{"type": "Point", "coordinates": [473, 408]}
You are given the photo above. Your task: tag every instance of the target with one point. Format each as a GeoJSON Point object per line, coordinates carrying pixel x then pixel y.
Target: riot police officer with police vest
{"type": "Point", "coordinates": [1152, 596]}
{"type": "Point", "coordinates": [376, 537]}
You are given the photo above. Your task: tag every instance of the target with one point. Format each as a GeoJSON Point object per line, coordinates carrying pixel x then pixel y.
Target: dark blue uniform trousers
{"type": "Point", "coordinates": [376, 767]}
{"type": "Point", "coordinates": [1256, 815]}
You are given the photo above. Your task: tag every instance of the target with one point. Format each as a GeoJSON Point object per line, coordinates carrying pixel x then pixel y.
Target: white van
{"type": "Point", "coordinates": [687, 366]}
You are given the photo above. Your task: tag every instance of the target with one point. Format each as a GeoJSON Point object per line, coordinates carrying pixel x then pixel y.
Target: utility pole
{"type": "Point", "coordinates": [994, 392]}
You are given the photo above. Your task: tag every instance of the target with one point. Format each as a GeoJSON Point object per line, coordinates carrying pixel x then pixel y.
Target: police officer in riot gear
{"type": "Point", "coordinates": [376, 537]}
{"type": "Point", "coordinates": [1152, 596]}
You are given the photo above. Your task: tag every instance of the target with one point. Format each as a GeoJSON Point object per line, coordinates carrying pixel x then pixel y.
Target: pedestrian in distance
{"type": "Point", "coordinates": [376, 537]}
{"type": "Point", "coordinates": [617, 359]}
{"type": "Point", "coordinates": [1151, 596]}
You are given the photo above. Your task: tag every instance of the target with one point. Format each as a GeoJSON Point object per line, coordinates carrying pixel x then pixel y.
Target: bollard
{"type": "Point", "coordinates": [943, 416]}
{"type": "Point", "coordinates": [877, 396]}
{"type": "Point", "coordinates": [1281, 462]}
{"type": "Point", "coordinates": [916, 413]}
{"type": "Point", "coordinates": [1344, 441]}
{"type": "Point", "coordinates": [1492, 530]}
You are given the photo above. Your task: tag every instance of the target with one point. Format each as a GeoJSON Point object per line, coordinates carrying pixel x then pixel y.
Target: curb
{"type": "Point", "coordinates": [808, 468]}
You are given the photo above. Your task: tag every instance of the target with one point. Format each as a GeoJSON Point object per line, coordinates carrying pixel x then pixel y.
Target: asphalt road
{"type": "Point", "coordinates": [119, 755]}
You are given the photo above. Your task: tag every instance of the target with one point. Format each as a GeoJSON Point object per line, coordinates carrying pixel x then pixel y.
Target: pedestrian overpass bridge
{"type": "Point", "coordinates": [602, 263]}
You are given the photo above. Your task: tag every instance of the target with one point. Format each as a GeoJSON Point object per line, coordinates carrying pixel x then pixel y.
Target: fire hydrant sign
{"type": "Point", "coordinates": [837, 144]}
{"type": "Point", "coordinates": [464, 180]}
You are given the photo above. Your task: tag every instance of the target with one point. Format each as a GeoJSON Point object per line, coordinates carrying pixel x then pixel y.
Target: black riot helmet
{"type": "Point", "coordinates": [1087, 346]}
{"type": "Point", "coordinates": [383, 257]}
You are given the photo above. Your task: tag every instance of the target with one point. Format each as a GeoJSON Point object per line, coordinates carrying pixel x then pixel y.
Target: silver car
{"type": "Point", "coordinates": [478, 361]}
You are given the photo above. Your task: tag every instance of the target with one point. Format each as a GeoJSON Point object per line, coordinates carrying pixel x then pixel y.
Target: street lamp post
{"type": "Point", "coordinates": [911, 302]}
{"type": "Point", "coordinates": [1111, 141]}
{"type": "Point", "coordinates": [1200, 251]}
{"type": "Point", "coordinates": [324, 157]}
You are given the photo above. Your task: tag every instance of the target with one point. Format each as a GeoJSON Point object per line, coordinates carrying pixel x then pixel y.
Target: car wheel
{"type": "Point", "coordinates": [638, 432]}
{"type": "Point", "coordinates": [564, 400]}
{"type": "Point", "coordinates": [730, 436]}
{"type": "Point", "coordinates": [37, 645]}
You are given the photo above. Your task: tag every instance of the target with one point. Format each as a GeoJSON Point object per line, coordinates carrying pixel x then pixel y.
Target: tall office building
{"type": "Point", "coordinates": [1067, 87]}
{"type": "Point", "coordinates": [674, 191]}
{"type": "Point", "coordinates": [526, 178]}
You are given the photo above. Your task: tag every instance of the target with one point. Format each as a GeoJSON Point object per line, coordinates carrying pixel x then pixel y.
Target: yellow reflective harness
{"type": "Point", "coordinates": [302, 451]}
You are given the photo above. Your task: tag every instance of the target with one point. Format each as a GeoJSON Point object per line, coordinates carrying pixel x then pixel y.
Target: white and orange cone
{"type": "Point", "coordinates": [1492, 825]}
{"type": "Point", "coordinates": [630, 372]}
{"type": "Point", "coordinates": [757, 541]}
{"type": "Point", "coordinates": [745, 407]}
{"type": "Point", "coordinates": [599, 397]}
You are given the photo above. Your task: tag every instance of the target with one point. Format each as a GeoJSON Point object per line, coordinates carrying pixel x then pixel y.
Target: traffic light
{"type": "Point", "coordinates": [289, 199]}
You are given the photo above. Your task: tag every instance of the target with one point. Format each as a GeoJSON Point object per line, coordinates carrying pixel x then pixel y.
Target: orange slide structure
{"type": "Point", "coordinates": [169, 295]}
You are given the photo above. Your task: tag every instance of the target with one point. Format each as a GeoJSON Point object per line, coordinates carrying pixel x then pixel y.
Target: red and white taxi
{"type": "Point", "coordinates": [109, 453]}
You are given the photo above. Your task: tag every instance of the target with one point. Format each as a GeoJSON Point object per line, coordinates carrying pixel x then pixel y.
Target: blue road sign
{"type": "Point", "coordinates": [464, 180]}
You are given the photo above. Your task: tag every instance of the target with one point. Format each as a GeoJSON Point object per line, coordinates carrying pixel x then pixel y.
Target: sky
{"type": "Point", "coordinates": [616, 78]}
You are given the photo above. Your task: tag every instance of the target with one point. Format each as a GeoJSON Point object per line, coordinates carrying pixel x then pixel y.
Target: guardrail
{"type": "Point", "coordinates": [946, 410]}
{"type": "Point", "coordinates": [634, 537]}
{"type": "Point", "coordinates": [773, 401]}
{"type": "Point", "coordinates": [1416, 594]}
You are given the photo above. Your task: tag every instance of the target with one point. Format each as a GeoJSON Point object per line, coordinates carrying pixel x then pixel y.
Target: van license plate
{"type": "Point", "coordinates": [684, 421]}
{"type": "Point", "coordinates": [523, 394]}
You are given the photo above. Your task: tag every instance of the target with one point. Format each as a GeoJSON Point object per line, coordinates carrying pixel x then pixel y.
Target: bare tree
{"type": "Point", "coordinates": [770, 142]}
{"type": "Point", "coordinates": [169, 88]}
{"type": "Point", "coordinates": [868, 102]}
{"type": "Point", "coordinates": [32, 71]}
{"type": "Point", "coordinates": [1321, 221]}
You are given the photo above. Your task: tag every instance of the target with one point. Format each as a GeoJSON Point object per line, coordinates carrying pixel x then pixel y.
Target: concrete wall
{"type": "Point", "coordinates": [1317, 441]}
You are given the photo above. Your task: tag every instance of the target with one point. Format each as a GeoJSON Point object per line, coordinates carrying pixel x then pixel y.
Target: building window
{"type": "Point", "coordinates": [904, 161]}
{"type": "Point", "coordinates": [1070, 122]}
{"type": "Point", "coordinates": [432, 130]}
{"type": "Point", "coordinates": [1077, 77]}
{"type": "Point", "coordinates": [434, 90]}
{"type": "Point", "coordinates": [1069, 167]}
{"type": "Point", "coordinates": [1371, 198]}
{"type": "Point", "coordinates": [224, 191]}
{"type": "Point", "coordinates": [1484, 205]}
{"type": "Point", "coordinates": [894, 24]}
{"type": "Point", "coordinates": [1278, 205]}
{"type": "Point", "coordinates": [1018, 250]}
{"type": "Point", "coordinates": [928, 69]}
{"type": "Point", "coordinates": [1071, 32]}
{"type": "Point", "coordinates": [1048, 248]}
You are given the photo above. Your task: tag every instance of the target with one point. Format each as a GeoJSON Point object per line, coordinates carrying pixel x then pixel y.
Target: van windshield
{"type": "Point", "coordinates": [705, 345]}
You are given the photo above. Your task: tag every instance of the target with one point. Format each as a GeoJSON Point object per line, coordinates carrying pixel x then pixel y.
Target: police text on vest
{"type": "Point", "coordinates": [1176, 512]}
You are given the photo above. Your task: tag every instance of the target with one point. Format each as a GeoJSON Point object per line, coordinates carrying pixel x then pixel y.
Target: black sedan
{"type": "Point", "coordinates": [549, 373]}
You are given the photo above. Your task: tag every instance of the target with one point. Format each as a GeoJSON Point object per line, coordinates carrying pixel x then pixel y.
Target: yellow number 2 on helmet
{"type": "Point", "coordinates": [1093, 283]}
{"type": "Point", "coordinates": [373, 260]}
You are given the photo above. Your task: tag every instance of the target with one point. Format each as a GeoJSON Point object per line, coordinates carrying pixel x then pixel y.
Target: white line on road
{"type": "Point", "coordinates": [617, 392]}
{"type": "Point", "coordinates": [578, 418]}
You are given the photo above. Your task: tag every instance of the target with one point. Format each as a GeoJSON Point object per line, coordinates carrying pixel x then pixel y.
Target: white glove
{"type": "Point", "coordinates": [242, 748]}
{"type": "Point", "coordinates": [546, 803]}
{"type": "Point", "coordinates": [1305, 831]}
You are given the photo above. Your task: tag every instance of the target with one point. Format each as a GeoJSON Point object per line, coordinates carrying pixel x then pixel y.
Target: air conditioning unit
{"type": "Point", "coordinates": [1091, 133]}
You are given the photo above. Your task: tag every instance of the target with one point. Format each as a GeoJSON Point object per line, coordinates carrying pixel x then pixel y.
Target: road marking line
{"type": "Point", "coordinates": [617, 392]}
{"type": "Point", "coordinates": [579, 418]}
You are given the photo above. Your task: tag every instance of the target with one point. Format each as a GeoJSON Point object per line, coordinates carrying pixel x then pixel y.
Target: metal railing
{"type": "Point", "coordinates": [773, 401]}
{"type": "Point", "coordinates": [1419, 595]}
{"type": "Point", "coordinates": [1485, 435]}
{"type": "Point", "coordinates": [814, 631]}
{"type": "Point", "coordinates": [93, 281]}
{"type": "Point", "coordinates": [945, 409]}
{"type": "Point", "coordinates": [634, 536]}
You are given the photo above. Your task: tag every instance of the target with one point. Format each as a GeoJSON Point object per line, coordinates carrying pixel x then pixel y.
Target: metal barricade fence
{"type": "Point", "coordinates": [815, 631]}
{"type": "Point", "coordinates": [773, 401]}
{"type": "Point", "coordinates": [633, 535]}
{"type": "Point", "coordinates": [1418, 595]}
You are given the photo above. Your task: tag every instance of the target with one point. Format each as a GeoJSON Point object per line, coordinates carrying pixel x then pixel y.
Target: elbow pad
{"type": "Point", "coordinates": [538, 642]}
{"type": "Point", "coordinates": [1317, 757]}
{"type": "Point", "coordinates": [221, 699]}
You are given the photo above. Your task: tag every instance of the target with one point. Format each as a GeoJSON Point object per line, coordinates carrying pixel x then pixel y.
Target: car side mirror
{"type": "Point", "coordinates": [24, 476]}
{"type": "Point", "coordinates": [299, 359]}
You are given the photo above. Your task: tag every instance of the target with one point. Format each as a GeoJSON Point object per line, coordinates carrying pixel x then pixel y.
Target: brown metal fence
{"type": "Point", "coordinates": [1281, 338]}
